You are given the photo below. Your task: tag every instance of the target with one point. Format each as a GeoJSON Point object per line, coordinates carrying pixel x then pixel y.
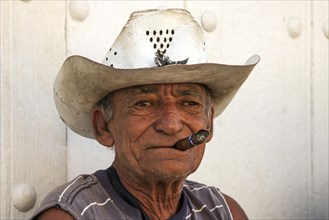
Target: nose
{"type": "Point", "coordinates": [169, 120]}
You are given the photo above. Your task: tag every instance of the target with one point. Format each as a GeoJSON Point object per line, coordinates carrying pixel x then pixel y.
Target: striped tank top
{"type": "Point", "coordinates": [94, 197]}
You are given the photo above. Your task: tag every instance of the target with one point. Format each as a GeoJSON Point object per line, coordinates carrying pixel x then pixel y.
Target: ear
{"type": "Point", "coordinates": [210, 124]}
{"type": "Point", "coordinates": [100, 126]}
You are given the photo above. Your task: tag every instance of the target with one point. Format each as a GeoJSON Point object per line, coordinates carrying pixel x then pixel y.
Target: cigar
{"type": "Point", "coordinates": [192, 140]}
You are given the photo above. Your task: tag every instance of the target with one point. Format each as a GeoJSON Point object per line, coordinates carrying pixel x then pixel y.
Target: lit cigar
{"type": "Point", "coordinates": [192, 140]}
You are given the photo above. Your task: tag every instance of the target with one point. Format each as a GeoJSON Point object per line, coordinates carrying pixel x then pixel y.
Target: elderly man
{"type": "Point", "coordinates": [150, 98]}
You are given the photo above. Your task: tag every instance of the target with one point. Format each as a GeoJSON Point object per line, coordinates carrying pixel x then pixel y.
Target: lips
{"type": "Point", "coordinates": [159, 146]}
{"type": "Point", "coordinates": [171, 144]}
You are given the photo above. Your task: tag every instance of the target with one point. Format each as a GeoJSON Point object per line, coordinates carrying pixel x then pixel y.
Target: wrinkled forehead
{"type": "Point", "coordinates": [180, 89]}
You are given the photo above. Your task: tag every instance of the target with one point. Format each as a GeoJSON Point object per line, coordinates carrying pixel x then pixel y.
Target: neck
{"type": "Point", "coordinates": [159, 199]}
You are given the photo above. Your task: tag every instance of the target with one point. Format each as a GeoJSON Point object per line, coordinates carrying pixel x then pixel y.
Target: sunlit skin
{"type": "Point", "coordinates": [146, 123]}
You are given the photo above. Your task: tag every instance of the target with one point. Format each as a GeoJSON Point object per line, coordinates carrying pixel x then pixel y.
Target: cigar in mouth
{"type": "Point", "coordinates": [192, 140]}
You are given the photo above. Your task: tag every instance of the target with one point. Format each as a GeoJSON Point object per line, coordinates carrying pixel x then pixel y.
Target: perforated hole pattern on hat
{"type": "Point", "coordinates": [161, 39]}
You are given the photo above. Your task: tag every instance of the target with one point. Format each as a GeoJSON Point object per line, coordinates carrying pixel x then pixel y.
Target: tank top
{"type": "Point", "coordinates": [94, 197]}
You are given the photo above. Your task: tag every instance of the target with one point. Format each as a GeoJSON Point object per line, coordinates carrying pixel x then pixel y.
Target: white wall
{"type": "Point", "coordinates": [33, 140]}
{"type": "Point", "coordinates": [270, 148]}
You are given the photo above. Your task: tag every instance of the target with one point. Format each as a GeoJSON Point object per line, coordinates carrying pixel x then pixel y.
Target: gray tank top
{"type": "Point", "coordinates": [93, 197]}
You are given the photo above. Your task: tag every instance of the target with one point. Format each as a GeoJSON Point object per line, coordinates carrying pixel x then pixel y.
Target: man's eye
{"type": "Point", "coordinates": [191, 106]}
{"type": "Point", "coordinates": [143, 104]}
{"type": "Point", "coordinates": [143, 107]}
{"type": "Point", "coordinates": [191, 103]}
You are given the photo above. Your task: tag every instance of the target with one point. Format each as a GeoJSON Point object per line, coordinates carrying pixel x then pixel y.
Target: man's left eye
{"type": "Point", "coordinates": [191, 103]}
{"type": "Point", "coordinates": [191, 106]}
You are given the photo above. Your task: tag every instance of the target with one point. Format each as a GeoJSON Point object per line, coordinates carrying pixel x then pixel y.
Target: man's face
{"type": "Point", "coordinates": [148, 120]}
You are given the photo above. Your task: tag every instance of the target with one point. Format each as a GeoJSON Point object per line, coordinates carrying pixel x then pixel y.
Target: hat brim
{"type": "Point", "coordinates": [81, 83]}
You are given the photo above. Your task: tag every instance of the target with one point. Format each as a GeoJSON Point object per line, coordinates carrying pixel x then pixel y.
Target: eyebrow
{"type": "Point", "coordinates": [143, 89]}
{"type": "Point", "coordinates": [190, 92]}
{"type": "Point", "coordinates": [193, 91]}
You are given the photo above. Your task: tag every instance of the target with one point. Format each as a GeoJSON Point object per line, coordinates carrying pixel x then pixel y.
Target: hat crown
{"type": "Point", "coordinates": [156, 38]}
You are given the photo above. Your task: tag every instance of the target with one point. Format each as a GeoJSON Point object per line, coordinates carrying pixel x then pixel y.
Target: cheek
{"type": "Point", "coordinates": [200, 121]}
{"type": "Point", "coordinates": [127, 135]}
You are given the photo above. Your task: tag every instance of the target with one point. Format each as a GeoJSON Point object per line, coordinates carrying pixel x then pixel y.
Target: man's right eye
{"type": "Point", "coordinates": [143, 104]}
{"type": "Point", "coordinates": [143, 107]}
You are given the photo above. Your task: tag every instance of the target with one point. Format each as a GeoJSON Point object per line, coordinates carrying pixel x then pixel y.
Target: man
{"type": "Point", "coordinates": [154, 89]}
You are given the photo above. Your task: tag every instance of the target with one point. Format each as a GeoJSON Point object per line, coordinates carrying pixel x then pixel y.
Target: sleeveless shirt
{"type": "Point", "coordinates": [94, 197]}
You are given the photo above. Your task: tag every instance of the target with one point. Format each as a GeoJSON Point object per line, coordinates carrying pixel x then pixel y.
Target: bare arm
{"type": "Point", "coordinates": [54, 214]}
{"type": "Point", "coordinates": [236, 210]}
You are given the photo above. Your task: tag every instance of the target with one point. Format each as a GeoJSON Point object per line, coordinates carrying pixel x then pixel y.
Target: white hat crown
{"type": "Point", "coordinates": [156, 38]}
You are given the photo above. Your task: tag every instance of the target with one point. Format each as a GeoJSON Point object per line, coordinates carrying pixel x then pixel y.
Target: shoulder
{"type": "Point", "coordinates": [69, 192]}
{"type": "Point", "coordinates": [214, 199]}
{"type": "Point", "coordinates": [54, 213]}
{"type": "Point", "coordinates": [202, 191]}
{"type": "Point", "coordinates": [70, 198]}
{"type": "Point", "coordinates": [236, 210]}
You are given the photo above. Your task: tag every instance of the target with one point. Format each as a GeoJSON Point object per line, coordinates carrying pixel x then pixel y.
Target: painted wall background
{"type": "Point", "coordinates": [270, 146]}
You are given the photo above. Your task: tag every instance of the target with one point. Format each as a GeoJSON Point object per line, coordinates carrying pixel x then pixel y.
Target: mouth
{"type": "Point", "coordinates": [161, 147]}
{"type": "Point", "coordinates": [165, 147]}
{"type": "Point", "coordinates": [188, 142]}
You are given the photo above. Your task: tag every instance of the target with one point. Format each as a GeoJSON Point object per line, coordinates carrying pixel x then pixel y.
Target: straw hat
{"type": "Point", "coordinates": [155, 46]}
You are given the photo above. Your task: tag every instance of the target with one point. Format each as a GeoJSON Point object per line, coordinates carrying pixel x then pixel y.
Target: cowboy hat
{"type": "Point", "coordinates": [155, 46]}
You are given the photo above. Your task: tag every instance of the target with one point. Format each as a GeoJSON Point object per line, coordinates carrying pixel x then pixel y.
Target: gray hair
{"type": "Point", "coordinates": [107, 107]}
